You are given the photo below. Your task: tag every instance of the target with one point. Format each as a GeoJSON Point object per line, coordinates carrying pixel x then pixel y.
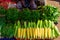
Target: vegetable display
{"type": "Point", "coordinates": [43, 13]}
{"type": "Point", "coordinates": [26, 23]}
{"type": "Point", "coordinates": [12, 14]}
{"type": "Point", "coordinates": [38, 30]}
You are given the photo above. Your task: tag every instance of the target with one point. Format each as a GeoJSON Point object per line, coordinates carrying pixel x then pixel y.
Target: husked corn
{"type": "Point", "coordinates": [49, 32]}
{"type": "Point", "coordinates": [19, 32]}
{"type": "Point", "coordinates": [28, 36]}
{"type": "Point", "coordinates": [45, 32]}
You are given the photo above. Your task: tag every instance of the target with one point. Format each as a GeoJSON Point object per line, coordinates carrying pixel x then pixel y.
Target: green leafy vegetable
{"type": "Point", "coordinates": [7, 31]}
{"type": "Point", "coordinates": [12, 14]}
{"type": "Point", "coordinates": [49, 13]}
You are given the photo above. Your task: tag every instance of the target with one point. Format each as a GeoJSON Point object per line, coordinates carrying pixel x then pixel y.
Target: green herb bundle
{"type": "Point", "coordinates": [7, 30]}
{"type": "Point", "coordinates": [49, 13]}
{"type": "Point", "coordinates": [12, 14]}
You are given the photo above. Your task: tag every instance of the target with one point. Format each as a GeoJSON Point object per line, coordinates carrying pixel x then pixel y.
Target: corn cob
{"type": "Point", "coordinates": [45, 32]}
{"type": "Point", "coordinates": [19, 32]}
{"type": "Point", "coordinates": [28, 36]}
{"type": "Point", "coordinates": [42, 33]}
{"type": "Point", "coordinates": [22, 32]}
{"type": "Point", "coordinates": [30, 31]}
{"type": "Point", "coordinates": [35, 32]}
{"type": "Point", "coordinates": [38, 32]}
{"type": "Point", "coordinates": [49, 33]}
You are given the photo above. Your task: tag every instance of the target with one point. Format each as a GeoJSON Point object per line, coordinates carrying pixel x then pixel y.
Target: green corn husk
{"type": "Point", "coordinates": [50, 24]}
{"type": "Point", "coordinates": [53, 31]}
{"type": "Point", "coordinates": [56, 31]}
{"type": "Point", "coordinates": [18, 24]}
{"type": "Point", "coordinates": [46, 23]}
{"type": "Point", "coordinates": [38, 24]}
{"type": "Point", "coordinates": [41, 24]}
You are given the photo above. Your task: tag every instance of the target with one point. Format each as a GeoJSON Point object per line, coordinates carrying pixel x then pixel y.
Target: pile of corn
{"type": "Point", "coordinates": [42, 30]}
